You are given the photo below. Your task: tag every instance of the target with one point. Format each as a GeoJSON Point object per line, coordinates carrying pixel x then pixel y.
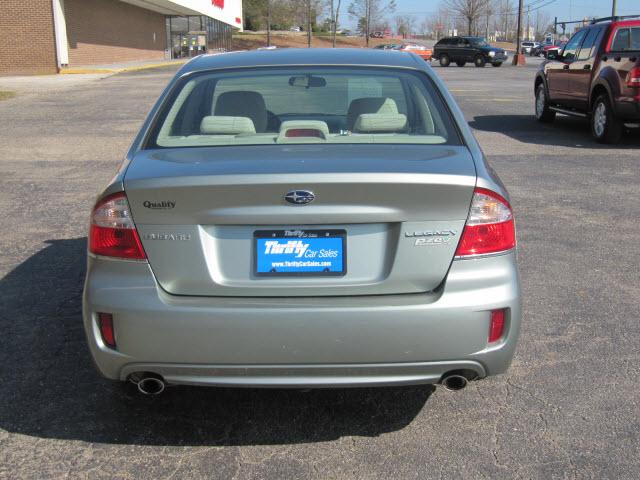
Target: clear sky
{"type": "Point", "coordinates": [563, 9]}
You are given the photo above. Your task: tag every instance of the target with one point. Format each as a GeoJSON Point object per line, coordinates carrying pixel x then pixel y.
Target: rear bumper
{"type": "Point", "coordinates": [628, 109]}
{"type": "Point", "coordinates": [302, 342]}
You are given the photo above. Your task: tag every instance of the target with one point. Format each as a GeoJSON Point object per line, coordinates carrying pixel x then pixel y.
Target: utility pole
{"type": "Point", "coordinates": [333, 25]}
{"type": "Point", "coordinates": [367, 20]}
{"type": "Point", "coordinates": [518, 58]}
{"type": "Point", "coordinates": [308, 23]}
{"type": "Point", "coordinates": [486, 32]}
{"type": "Point", "coordinates": [528, 21]}
{"type": "Point", "coordinates": [268, 23]}
{"type": "Point", "coordinates": [614, 8]}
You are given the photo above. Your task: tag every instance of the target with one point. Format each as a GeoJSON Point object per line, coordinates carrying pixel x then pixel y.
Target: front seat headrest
{"type": "Point", "coordinates": [364, 105]}
{"type": "Point", "coordinates": [243, 104]}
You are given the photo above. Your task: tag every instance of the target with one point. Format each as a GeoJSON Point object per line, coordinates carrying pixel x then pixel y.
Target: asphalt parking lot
{"type": "Point", "coordinates": [568, 408]}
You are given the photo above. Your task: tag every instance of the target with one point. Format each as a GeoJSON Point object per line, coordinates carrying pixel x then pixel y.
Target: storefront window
{"type": "Point", "coordinates": [195, 35]}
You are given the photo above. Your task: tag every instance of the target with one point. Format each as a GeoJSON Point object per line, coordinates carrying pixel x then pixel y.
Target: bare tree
{"type": "Point", "coordinates": [543, 20]}
{"type": "Point", "coordinates": [469, 10]}
{"type": "Point", "coordinates": [405, 25]}
{"type": "Point", "coordinates": [334, 20]}
{"type": "Point", "coordinates": [368, 10]}
{"type": "Point", "coordinates": [439, 23]}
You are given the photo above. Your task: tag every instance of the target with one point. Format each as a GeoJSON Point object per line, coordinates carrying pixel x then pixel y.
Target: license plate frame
{"type": "Point", "coordinates": [317, 237]}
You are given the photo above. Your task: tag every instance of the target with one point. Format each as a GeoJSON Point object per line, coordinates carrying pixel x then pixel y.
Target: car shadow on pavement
{"type": "Point", "coordinates": [564, 131]}
{"type": "Point", "coordinates": [50, 388]}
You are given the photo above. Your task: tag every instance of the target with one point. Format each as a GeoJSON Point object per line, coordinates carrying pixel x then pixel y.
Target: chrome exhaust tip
{"type": "Point", "coordinates": [454, 382]}
{"type": "Point", "coordinates": [151, 385]}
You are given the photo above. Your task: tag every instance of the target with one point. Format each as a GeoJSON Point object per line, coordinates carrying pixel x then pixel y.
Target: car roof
{"type": "Point", "coordinates": [302, 56]}
{"type": "Point", "coordinates": [626, 23]}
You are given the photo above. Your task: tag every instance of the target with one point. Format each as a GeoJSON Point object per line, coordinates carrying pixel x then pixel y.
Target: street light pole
{"type": "Point", "coordinates": [614, 8]}
{"type": "Point", "coordinates": [518, 58]}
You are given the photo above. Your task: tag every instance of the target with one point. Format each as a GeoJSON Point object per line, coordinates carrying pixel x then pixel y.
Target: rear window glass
{"type": "Point", "coordinates": [621, 41]}
{"type": "Point", "coordinates": [267, 106]}
{"type": "Point", "coordinates": [635, 38]}
{"type": "Point", "coordinates": [627, 39]}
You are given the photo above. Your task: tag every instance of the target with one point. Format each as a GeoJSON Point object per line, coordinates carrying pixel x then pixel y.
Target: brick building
{"type": "Point", "coordinates": [43, 36]}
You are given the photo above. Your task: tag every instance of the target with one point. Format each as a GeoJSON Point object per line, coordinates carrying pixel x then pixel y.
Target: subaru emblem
{"type": "Point", "coordinates": [299, 197]}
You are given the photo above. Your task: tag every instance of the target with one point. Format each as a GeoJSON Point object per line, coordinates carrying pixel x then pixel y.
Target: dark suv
{"type": "Point", "coordinates": [468, 49]}
{"type": "Point", "coordinates": [595, 76]}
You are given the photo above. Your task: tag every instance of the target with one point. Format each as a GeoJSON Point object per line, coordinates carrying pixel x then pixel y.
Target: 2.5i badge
{"type": "Point", "coordinates": [431, 237]}
{"type": "Point", "coordinates": [422, 242]}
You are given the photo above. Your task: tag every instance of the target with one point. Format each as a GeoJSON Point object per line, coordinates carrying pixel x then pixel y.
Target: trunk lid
{"type": "Point", "coordinates": [403, 208]}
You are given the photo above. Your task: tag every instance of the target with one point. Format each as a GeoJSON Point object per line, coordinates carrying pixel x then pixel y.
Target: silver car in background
{"type": "Point", "coordinates": [300, 218]}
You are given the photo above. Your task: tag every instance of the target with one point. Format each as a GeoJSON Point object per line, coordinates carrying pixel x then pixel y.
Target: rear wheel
{"type": "Point", "coordinates": [445, 61]}
{"type": "Point", "coordinates": [461, 63]}
{"type": "Point", "coordinates": [543, 113]}
{"type": "Point", "coordinates": [605, 127]}
{"type": "Point", "coordinates": [479, 61]}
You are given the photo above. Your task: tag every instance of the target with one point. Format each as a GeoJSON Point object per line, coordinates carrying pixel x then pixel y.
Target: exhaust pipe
{"type": "Point", "coordinates": [454, 382]}
{"type": "Point", "coordinates": [151, 384]}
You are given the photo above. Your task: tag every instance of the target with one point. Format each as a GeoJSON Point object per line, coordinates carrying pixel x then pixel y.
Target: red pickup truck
{"type": "Point", "coordinates": [596, 76]}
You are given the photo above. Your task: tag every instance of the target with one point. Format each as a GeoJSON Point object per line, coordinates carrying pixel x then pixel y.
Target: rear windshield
{"type": "Point", "coordinates": [265, 106]}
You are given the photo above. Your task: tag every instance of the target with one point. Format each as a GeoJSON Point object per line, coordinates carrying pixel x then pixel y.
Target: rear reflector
{"type": "Point", "coordinates": [112, 232]}
{"type": "Point", "coordinates": [496, 330]}
{"type": "Point", "coordinates": [105, 322]}
{"type": "Point", "coordinates": [490, 227]}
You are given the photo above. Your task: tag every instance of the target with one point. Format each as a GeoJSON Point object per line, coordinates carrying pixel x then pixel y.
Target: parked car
{"type": "Point", "coordinates": [554, 49]}
{"type": "Point", "coordinates": [294, 29]}
{"type": "Point", "coordinates": [527, 47]}
{"type": "Point", "coordinates": [538, 49]}
{"type": "Point", "coordinates": [387, 46]}
{"type": "Point", "coordinates": [293, 220]}
{"type": "Point", "coordinates": [420, 50]}
{"type": "Point", "coordinates": [596, 76]}
{"type": "Point", "coordinates": [377, 34]}
{"type": "Point", "coordinates": [468, 49]}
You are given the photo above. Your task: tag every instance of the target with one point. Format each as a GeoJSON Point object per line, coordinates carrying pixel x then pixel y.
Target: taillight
{"type": "Point", "coordinates": [633, 79]}
{"type": "Point", "coordinates": [112, 232]}
{"type": "Point", "coordinates": [490, 227]}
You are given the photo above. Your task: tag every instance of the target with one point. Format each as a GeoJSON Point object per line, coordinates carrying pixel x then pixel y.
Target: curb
{"type": "Point", "coordinates": [85, 71]}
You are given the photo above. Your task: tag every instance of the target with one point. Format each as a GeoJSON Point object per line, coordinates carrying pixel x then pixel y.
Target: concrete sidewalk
{"type": "Point", "coordinates": [71, 77]}
{"type": "Point", "coordinates": [110, 68]}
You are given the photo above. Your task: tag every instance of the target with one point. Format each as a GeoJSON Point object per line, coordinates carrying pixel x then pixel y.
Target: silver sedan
{"type": "Point", "coordinates": [299, 218]}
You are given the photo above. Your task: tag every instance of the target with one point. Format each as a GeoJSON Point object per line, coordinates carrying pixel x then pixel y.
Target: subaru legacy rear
{"type": "Point", "coordinates": [293, 220]}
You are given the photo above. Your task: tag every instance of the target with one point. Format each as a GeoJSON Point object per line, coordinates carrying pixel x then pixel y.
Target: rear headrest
{"type": "Point", "coordinates": [369, 105]}
{"type": "Point", "coordinates": [214, 125]}
{"type": "Point", "coordinates": [243, 104]}
{"type": "Point", "coordinates": [380, 123]}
